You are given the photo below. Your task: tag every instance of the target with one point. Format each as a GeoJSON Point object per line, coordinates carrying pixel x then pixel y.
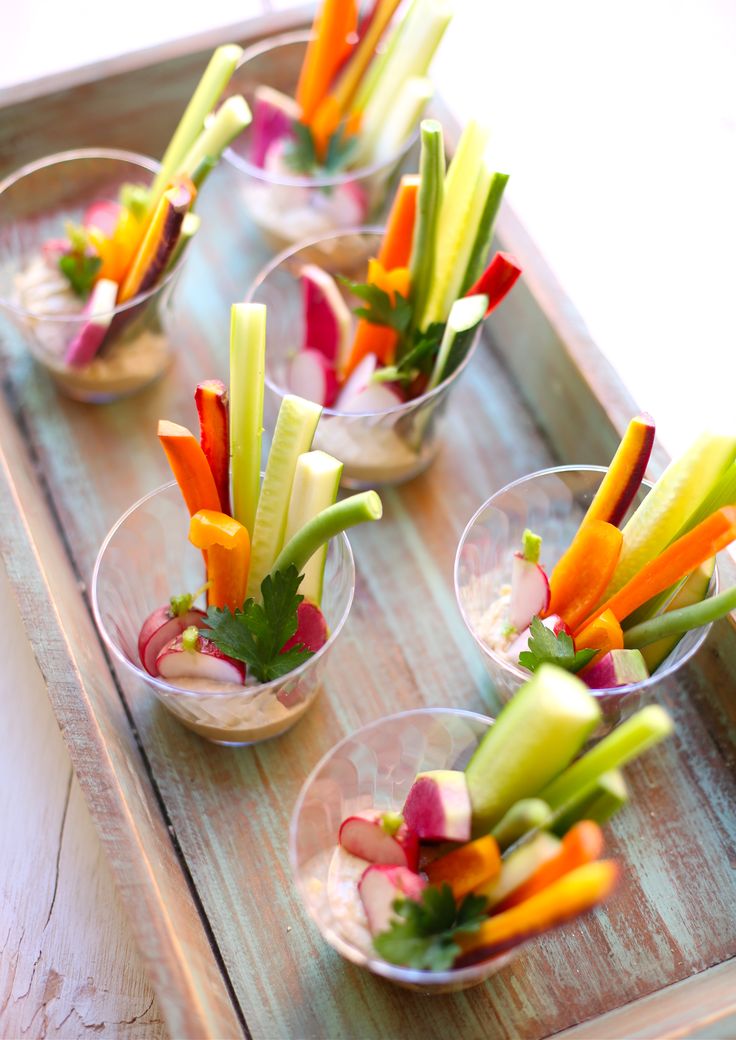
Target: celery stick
{"type": "Point", "coordinates": [231, 117]}
{"type": "Point", "coordinates": [627, 741]}
{"type": "Point", "coordinates": [330, 522]}
{"type": "Point", "coordinates": [459, 205]}
{"type": "Point", "coordinates": [214, 80]}
{"type": "Point", "coordinates": [247, 373]}
{"type": "Point", "coordinates": [297, 420]}
{"type": "Point", "coordinates": [466, 314]}
{"type": "Point", "coordinates": [482, 245]}
{"type": "Point", "coordinates": [316, 482]}
{"type": "Point", "coordinates": [676, 622]}
{"type": "Point", "coordinates": [526, 815]}
{"type": "Point", "coordinates": [598, 802]}
{"type": "Point", "coordinates": [203, 170]}
{"type": "Point", "coordinates": [389, 137]}
{"type": "Point", "coordinates": [189, 227]}
{"type": "Point", "coordinates": [429, 204]}
{"type": "Point", "coordinates": [406, 26]}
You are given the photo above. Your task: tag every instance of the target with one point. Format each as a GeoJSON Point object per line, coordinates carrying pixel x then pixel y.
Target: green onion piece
{"type": "Point", "coordinates": [356, 509]}
{"type": "Point", "coordinates": [190, 638]}
{"type": "Point", "coordinates": [676, 622]}
{"type": "Point", "coordinates": [429, 204]}
{"type": "Point", "coordinates": [532, 546]}
{"type": "Point", "coordinates": [247, 375]}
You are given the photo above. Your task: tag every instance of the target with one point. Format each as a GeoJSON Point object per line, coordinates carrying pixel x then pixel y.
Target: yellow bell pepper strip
{"type": "Point", "coordinates": [228, 556]}
{"type": "Point", "coordinates": [603, 634]}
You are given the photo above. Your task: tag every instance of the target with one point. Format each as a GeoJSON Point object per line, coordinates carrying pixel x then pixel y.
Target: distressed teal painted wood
{"type": "Point", "coordinates": [403, 646]}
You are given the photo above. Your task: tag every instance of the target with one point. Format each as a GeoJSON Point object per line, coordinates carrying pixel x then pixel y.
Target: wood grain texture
{"type": "Point", "coordinates": [229, 810]}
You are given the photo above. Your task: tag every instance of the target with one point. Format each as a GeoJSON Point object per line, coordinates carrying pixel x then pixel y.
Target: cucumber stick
{"type": "Point", "coordinates": [455, 233]}
{"type": "Point", "coordinates": [484, 237]}
{"type": "Point", "coordinates": [247, 373]}
{"type": "Point", "coordinates": [466, 314]}
{"type": "Point", "coordinates": [429, 204]}
{"type": "Point", "coordinates": [674, 498]}
{"type": "Point", "coordinates": [529, 814]}
{"type": "Point", "coordinates": [297, 420]}
{"type": "Point", "coordinates": [535, 737]}
{"type": "Point", "coordinates": [316, 482]}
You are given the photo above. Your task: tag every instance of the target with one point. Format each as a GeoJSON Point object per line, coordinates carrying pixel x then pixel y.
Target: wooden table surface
{"type": "Point", "coordinates": [227, 811]}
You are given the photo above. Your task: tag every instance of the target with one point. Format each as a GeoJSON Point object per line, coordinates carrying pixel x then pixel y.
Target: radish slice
{"type": "Point", "coordinates": [327, 318]}
{"type": "Point", "coordinates": [311, 628]}
{"type": "Point", "coordinates": [364, 835]}
{"type": "Point", "coordinates": [206, 662]}
{"type": "Point", "coordinates": [162, 627]}
{"type": "Point", "coordinates": [357, 381]}
{"type": "Point", "coordinates": [274, 114]}
{"type": "Point", "coordinates": [379, 888]}
{"type": "Point", "coordinates": [529, 592]}
{"type": "Point", "coordinates": [378, 397]}
{"type": "Point", "coordinates": [312, 377]}
{"type": "Point", "coordinates": [103, 215]}
{"type": "Point", "coordinates": [100, 308]}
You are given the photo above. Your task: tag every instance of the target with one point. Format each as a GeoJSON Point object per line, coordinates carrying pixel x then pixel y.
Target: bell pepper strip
{"type": "Point", "coordinates": [158, 242]}
{"type": "Point", "coordinates": [190, 467]}
{"type": "Point", "coordinates": [395, 248]}
{"type": "Point", "coordinates": [581, 575]}
{"type": "Point", "coordinates": [227, 546]}
{"type": "Point", "coordinates": [465, 868]}
{"type": "Point", "coordinates": [677, 560]}
{"type": "Point", "coordinates": [573, 894]}
{"type": "Point", "coordinates": [582, 844]}
{"type": "Point", "coordinates": [497, 280]}
{"type": "Point", "coordinates": [214, 434]}
{"type": "Point", "coordinates": [378, 339]}
{"type": "Point", "coordinates": [623, 479]}
{"type": "Point", "coordinates": [117, 250]}
{"type": "Point", "coordinates": [603, 634]}
{"type": "Point", "coordinates": [334, 21]}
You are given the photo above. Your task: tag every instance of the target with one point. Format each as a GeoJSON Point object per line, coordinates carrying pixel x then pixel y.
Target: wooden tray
{"type": "Point", "coordinates": [196, 834]}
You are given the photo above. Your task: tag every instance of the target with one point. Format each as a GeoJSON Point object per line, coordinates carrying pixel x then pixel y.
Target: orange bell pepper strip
{"type": "Point", "coordinates": [674, 563]}
{"type": "Point", "coordinates": [572, 894]}
{"type": "Point", "coordinates": [582, 844]}
{"type": "Point", "coordinates": [465, 868]}
{"type": "Point", "coordinates": [190, 467]}
{"type": "Point", "coordinates": [624, 476]}
{"type": "Point", "coordinates": [227, 546]}
{"type": "Point", "coordinates": [378, 339]}
{"type": "Point", "coordinates": [334, 22]}
{"type": "Point", "coordinates": [396, 245]}
{"type": "Point", "coordinates": [603, 634]}
{"type": "Point", "coordinates": [581, 575]}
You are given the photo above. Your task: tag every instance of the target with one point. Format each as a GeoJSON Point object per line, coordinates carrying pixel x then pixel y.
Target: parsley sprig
{"type": "Point", "coordinates": [79, 264]}
{"type": "Point", "coordinates": [301, 156]}
{"type": "Point", "coordinates": [558, 649]}
{"type": "Point", "coordinates": [423, 937]}
{"type": "Point", "coordinates": [258, 633]}
{"type": "Point", "coordinates": [379, 309]}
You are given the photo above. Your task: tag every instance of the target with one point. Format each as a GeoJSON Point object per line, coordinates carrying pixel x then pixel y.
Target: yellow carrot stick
{"type": "Point", "coordinates": [158, 242]}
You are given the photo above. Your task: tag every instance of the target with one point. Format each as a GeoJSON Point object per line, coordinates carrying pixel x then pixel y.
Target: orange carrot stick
{"type": "Point", "coordinates": [158, 242]}
{"type": "Point", "coordinates": [465, 868]}
{"type": "Point", "coordinates": [190, 467]}
{"type": "Point", "coordinates": [326, 52]}
{"type": "Point", "coordinates": [603, 634]}
{"type": "Point", "coordinates": [378, 339]}
{"type": "Point", "coordinates": [350, 77]}
{"type": "Point", "coordinates": [625, 473]}
{"type": "Point", "coordinates": [227, 546]}
{"type": "Point", "coordinates": [582, 844]}
{"type": "Point", "coordinates": [324, 123]}
{"type": "Point", "coordinates": [397, 239]}
{"type": "Point", "coordinates": [582, 574]}
{"type": "Point", "coordinates": [573, 894]}
{"type": "Point", "coordinates": [677, 560]}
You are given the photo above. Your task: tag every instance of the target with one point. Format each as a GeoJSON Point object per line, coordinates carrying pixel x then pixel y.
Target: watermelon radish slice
{"type": "Point", "coordinates": [312, 376]}
{"type": "Point", "coordinates": [273, 116]}
{"type": "Point", "coordinates": [103, 215]}
{"type": "Point", "coordinates": [327, 317]}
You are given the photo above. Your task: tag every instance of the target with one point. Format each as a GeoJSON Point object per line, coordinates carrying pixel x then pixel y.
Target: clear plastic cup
{"type": "Point", "coordinates": [375, 767]}
{"type": "Point", "coordinates": [144, 560]}
{"type": "Point", "coordinates": [286, 207]}
{"type": "Point", "coordinates": [378, 449]}
{"type": "Point", "coordinates": [551, 502]}
{"type": "Point", "coordinates": [36, 202]}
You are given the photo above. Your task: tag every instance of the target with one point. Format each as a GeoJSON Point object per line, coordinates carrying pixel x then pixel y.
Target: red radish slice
{"type": "Point", "coordinates": [380, 887]}
{"type": "Point", "coordinates": [103, 215]}
{"type": "Point", "coordinates": [358, 380]}
{"type": "Point", "coordinates": [311, 628]}
{"type": "Point", "coordinates": [378, 397]}
{"type": "Point", "coordinates": [206, 662]}
{"type": "Point", "coordinates": [364, 835]}
{"type": "Point", "coordinates": [327, 319]}
{"type": "Point", "coordinates": [312, 376]}
{"type": "Point", "coordinates": [529, 592]}
{"type": "Point", "coordinates": [162, 627]}
{"type": "Point", "coordinates": [274, 114]}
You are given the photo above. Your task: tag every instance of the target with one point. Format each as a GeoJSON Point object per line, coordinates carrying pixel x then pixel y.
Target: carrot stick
{"type": "Point", "coordinates": [465, 868]}
{"type": "Point", "coordinates": [582, 844]}
{"type": "Point", "coordinates": [370, 34]}
{"type": "Point", "coordinates": [378, 339]}
{"type": "Point", "coordinates": [581, 575]}
{"type": "Point", "coordinates": [677, 560]}
{"type": "Point", "coordinates": [625, 473]}
{"type": "Point", "coordinates": [158, 242]}
{"type": "Point", "coordinates": [395, 248]}
{"type": "Point", "coordinates": [227, 546]}
{"type": "Point", "coordinates": [326, 52]}
{"type": "Point", "coordinates": [603, 634]}
{"type": "Point", "coordinates": [573, 894]}
{"type": "Point", "coordinates": [190, 467]}
{"type": "Point", "coordinates": [324, 123]}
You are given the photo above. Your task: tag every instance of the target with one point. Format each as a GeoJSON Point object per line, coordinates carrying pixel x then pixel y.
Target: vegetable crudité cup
{"type": "Point", "coordinates": [552, 503]}
{"type": "Point", "coordinates": [378, 449]}
{"type": "Point", "coordinates": [286, 207]}
{"type": "Point", "coordinates": [375, 767]}
{"type": "Point", "coordinates": [144, 560]}
{"type": "Point", "coordinates": [36, 203]}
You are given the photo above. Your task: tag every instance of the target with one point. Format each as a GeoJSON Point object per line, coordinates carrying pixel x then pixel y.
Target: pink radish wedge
{"type": "Point", "coordinates": [311, 628]}
{"type": "Point", "coordinates": [357, 381]}
{"type": "Point", "coordinates": [438, 808]}
{"type": "Point", "coordinates": [380, 838]}
{"type": "Point", "coordinates": [312, 377]}
{"type": "Point", "coordinates": [99, 311]}
{"type": "Point", "coordinates": [192, 656]}
{"type": "Point", "coordinates": [162, 627]}
{"type": "Point", "coordinates": [274, 114]}
{"type": "Point", "coordinates": [380, 886]}
{"type": "Point", "coordinates": [327, 318]}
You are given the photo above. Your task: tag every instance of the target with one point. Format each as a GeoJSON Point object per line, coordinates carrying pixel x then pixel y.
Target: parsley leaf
{"type": "Point", "coordinates": [301, 155]}
{"type": "Point", "coordinates": [558, 649]}
{"type": "Point", "coordinates": [80, 263]}
{"type": "Point", "coordinates": [257, 633]}
{"type": "Point", "coordinates": [423, 936]}
{"type": "Point", "coordinates": [380, 309]}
